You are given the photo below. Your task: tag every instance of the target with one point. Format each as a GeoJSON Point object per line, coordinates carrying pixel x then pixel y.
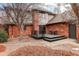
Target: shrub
{"type": "Point", "coordinates": [3, 35]}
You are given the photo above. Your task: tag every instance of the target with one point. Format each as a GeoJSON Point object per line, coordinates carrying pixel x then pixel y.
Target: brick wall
{"type": "Point", "coordinates": [35, 17]}
{"type": "Point", "coordinates": [28, 30]}
{"type": "Point", "coordinates": [1, 26]}
{"type": "Point", "coordinates": [60, 28]}
{"type": "Point", "coordinates": [77, 32]}
{"type": "Point", "coordinates": [14, 31]}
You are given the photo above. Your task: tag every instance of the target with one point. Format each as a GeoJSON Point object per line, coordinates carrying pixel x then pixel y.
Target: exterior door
{"type": "Point", "coordinates": [72, 31]}
{"type": "Point", "coordinates": [42, 29]}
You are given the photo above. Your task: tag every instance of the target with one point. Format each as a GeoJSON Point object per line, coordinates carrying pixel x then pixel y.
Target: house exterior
{"type": "Point", "coordinates": [60, 24]}
{"type": "Point", "coordinates": [29, 26]}
{"type": "Point", "coordinates": [64, 24]}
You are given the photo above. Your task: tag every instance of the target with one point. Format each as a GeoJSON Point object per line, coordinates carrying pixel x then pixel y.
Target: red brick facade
{"type": "Point", "coordinates": [35, 17]}
{"type": "Point", "coordinates": [14, 31]}
{"type": "Point", "coordinates": [60, 28]}
{"type": "Point", "coordinates": [77, 32]}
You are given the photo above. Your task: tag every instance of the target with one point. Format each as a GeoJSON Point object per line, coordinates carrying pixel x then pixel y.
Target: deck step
{"type": "Point", "coordinates": [54, 39]}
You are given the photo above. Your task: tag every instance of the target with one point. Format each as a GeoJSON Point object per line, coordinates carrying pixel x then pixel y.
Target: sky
{"type": "Point", "coordinates": [62, 8]}
{"type": "Point", "coordinates": [0, 4]}
{"type": "Point", "coordinates": [53, 7]}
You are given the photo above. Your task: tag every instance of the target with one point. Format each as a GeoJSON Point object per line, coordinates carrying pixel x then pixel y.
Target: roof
{"type": "Point", "coordinates": [67, 16]}
{"type": "Point", "coordinates": [42, 9]}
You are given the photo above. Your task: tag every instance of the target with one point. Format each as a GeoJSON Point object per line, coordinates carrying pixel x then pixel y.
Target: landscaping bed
{"type": "Point", "coordinates": [2, 48]}
{"type": "Point", "coordinates": [41, 51]}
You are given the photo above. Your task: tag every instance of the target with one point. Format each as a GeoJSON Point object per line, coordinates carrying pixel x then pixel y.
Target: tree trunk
{"type": "Point", "coordinates": [76, 10]}
{"type": "Point", "coordinates": [21, 28]}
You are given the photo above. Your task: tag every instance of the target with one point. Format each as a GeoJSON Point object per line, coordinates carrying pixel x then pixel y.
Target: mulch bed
{"type": "Point", "coordinates": [41, 51]}
{"type": "Point", "coordinates": [2, 48]}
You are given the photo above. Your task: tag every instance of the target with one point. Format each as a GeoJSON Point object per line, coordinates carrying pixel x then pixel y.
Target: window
{"type": "Point", "coordinates": [43, 19]}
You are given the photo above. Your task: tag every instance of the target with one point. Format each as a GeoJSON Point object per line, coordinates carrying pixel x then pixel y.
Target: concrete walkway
{"type": "Point", "coordinates": [11, 46]}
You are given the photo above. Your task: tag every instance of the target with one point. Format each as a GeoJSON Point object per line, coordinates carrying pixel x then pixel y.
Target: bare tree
{"type": "Point", "coordinates": [17, 13]}
{"type": "Point", "coordinates": [75, 9]}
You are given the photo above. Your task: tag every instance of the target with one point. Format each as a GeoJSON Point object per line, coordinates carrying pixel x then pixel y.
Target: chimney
{"type": "Point", "coordinates": [35, 20]}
